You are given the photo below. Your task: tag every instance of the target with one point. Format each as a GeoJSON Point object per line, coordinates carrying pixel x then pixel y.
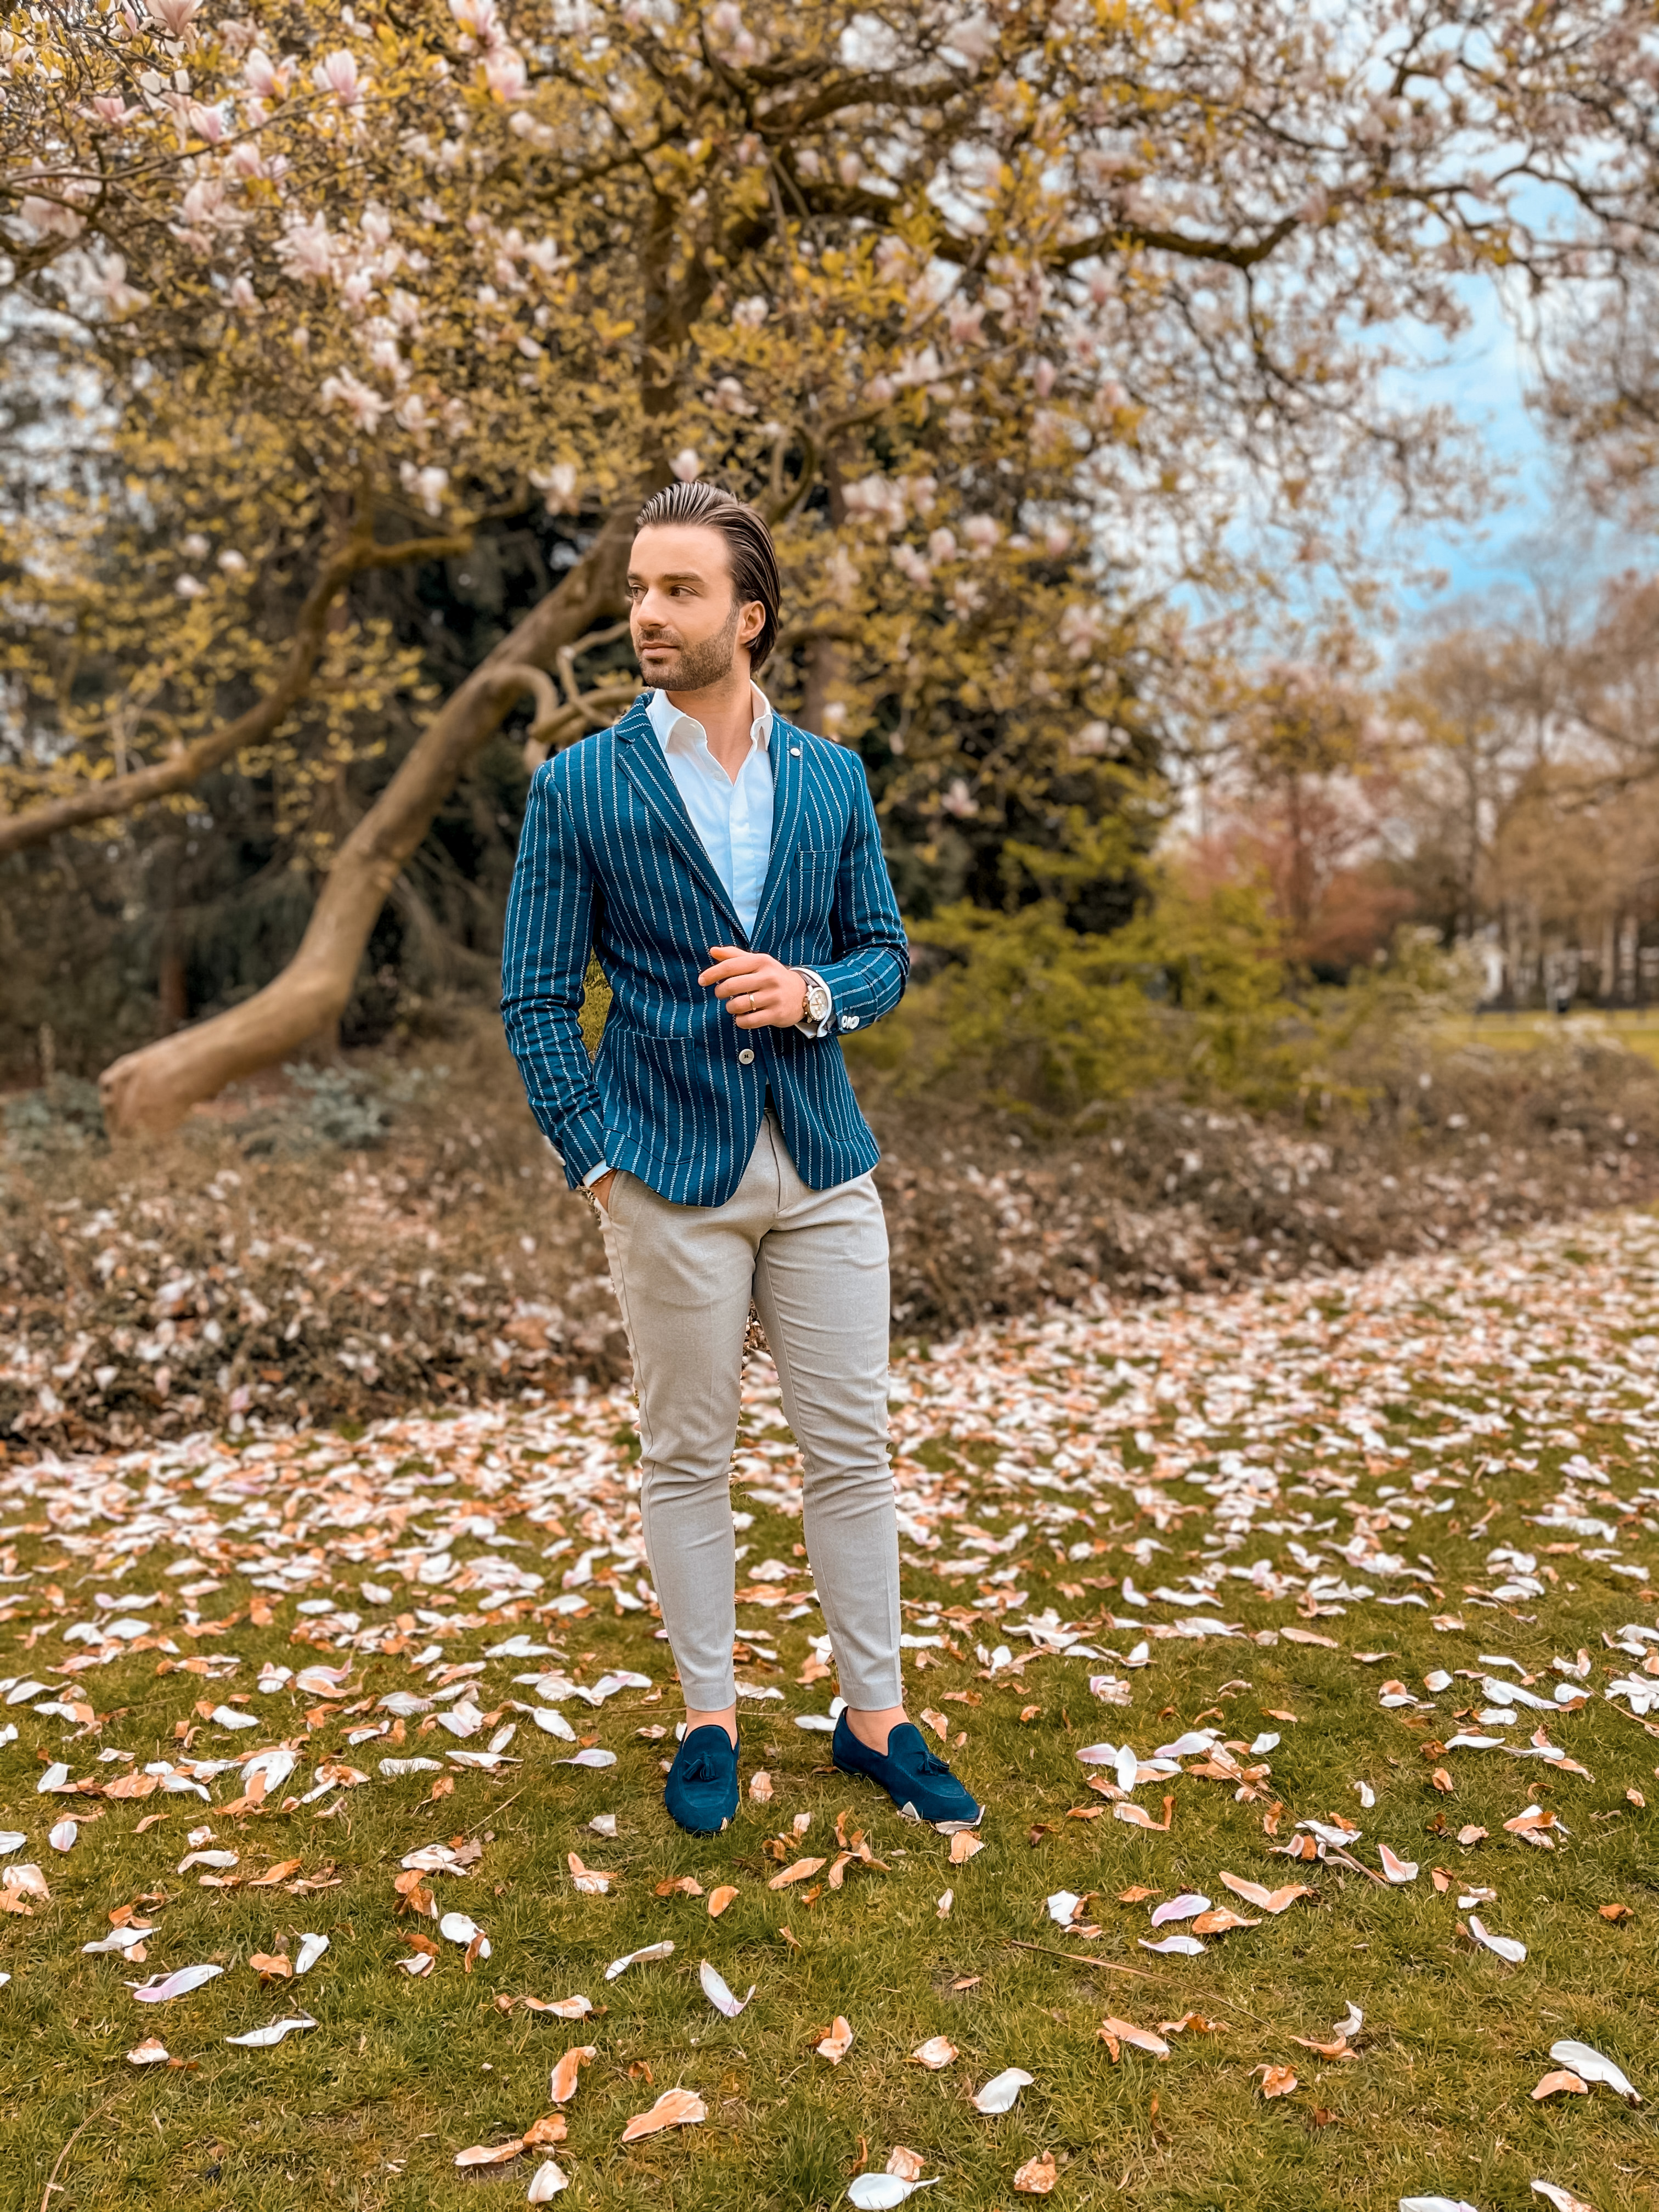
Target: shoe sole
{"type": "Point", "coordinates": [907, 1811]}
{"type": "Point", "coordinates": [686, 1830]}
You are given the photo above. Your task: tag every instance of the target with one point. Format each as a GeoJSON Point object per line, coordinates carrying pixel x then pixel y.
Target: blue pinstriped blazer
{"type": "Point", "coordinates": [608, 863]}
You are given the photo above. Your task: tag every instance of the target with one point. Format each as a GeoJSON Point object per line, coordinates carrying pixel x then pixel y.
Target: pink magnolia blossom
{"type": "Point", "coordinates": [306, 251]}
{"type": "Point", "coordinates": [119, 297]}
{"type": "Point", "coordinates": [365, 404]}
{"type": "Point", "coordinates": [981, 532]}
{"type": "Point", "coordinates": [206, 122]}
{"type": "Point", "coordinates": [113, 112]}
{"type": "Point", "coordinates": [246, 161]}
{"type": "Point", "coordinates": [942, 545]}
{"type": "Point", "coordinates": [478, 18]}
{"type": "Point", "coordinates": [427, 485]}
{"type": "Point", "coordinates": [336, 73]}
{"type": "Point", "coordinates": [1043, 378]}
{"type": "Point", "coordinates": [174, 16]}
{"type": "Point", "coordinates": [964, 322]}
{"type": "Point", "coordinates": [244, 297]}
{"type": "Point", "coordinates": [687, 464]}
{"type": "Point", "coordinates": [559, 483]}
{"type": "Point", "coordinates": [264, 79]}
{"type": "Point", "coordinates": [412, 415]}
{"type": "Point", "coordinates": [975, 40]}
{"type": "Point", "coordinates": [49, 219]}
{"type": "Point", "coordinates": [910, 564]}
{"type": "Point", "coordinates": [506, 76]}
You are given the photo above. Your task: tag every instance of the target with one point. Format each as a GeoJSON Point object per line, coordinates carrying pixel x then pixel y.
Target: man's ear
{"type": "Point", "coordinates": [750, 622]}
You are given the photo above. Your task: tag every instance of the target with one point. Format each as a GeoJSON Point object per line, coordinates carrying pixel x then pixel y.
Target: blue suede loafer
{"type": "Point", "coordinates": [922, 1787]}
{"type": "Point", "coordinates": [701, 1792]}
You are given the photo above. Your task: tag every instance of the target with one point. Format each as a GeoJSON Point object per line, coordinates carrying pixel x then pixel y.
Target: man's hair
{"type": "Point", "coordinates": [749, 548]}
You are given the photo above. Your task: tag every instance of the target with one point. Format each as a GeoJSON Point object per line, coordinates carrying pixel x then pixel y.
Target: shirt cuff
{"type": "Point", "coordinates": [594, 1173]}
{"type": "Point", "coordinates": [817, 1029]}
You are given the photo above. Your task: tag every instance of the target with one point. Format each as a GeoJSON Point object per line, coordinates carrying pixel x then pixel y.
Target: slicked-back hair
{"type": "Point", "coordinates": [749, 548]}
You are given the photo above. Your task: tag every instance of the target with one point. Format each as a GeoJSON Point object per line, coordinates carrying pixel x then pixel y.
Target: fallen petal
{"type": "Point", "coordinates": [664, 1950]}
{"type": "Point", "coordinates": [311, 1948]}
{"type": "Point", "coordinates": [880, 2193]}
{"type": "Point", "coordinates": [1036, 2177]}
{"type": "Point", "coordinates": [716, 1989]}
{"type": "Point", "coordinates": [720, 1898]}
{"type": "Point", "coordinates": [152, 2052]}
{"type": "Point", "coordinates": [1554, 2085]}
{"type": "Point", "coordinates": [675, 2108]}
{"type": "Point", "coordinates": [938, 2051]}
{"type": "Point", "coordinates": [546, 2182]}
{"type": "Point", "coordinates": [1563, 2199]}
{"type": "Point", "coordinates": [564, 2087]}
{"type": "Point", "coordinates": [265, 2038]}
{"type": "Point", "coordinates": [1184, 1907]}
{"type": "Point", "coordinates": [836, 2041]}
{"type": "Point", "coordinates": [1591, 2063]}
{"type": "Point", "coordinates": [1002, 2090]}
{"type": "Point", "coordinates": [161, 1988]}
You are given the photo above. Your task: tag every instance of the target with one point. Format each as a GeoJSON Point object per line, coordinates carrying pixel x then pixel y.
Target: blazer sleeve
{"type": "Point", "coordinates": [872, 963]}
{"type": "Point", "coordinates": [551, 918]}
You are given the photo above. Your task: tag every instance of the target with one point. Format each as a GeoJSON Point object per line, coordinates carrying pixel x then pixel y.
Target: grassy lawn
{"type": "Point", "coordinates": [1637, 1029]}
{"type": "Point", "coordinates": [1472, 1435]}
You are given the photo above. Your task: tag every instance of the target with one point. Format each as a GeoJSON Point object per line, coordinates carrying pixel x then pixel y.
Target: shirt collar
{"type": "Point", "coordinates": [679, 733]}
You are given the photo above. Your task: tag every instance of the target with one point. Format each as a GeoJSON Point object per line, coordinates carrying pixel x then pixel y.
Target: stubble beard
{"type": "Point", "coordinates": [698, 667]}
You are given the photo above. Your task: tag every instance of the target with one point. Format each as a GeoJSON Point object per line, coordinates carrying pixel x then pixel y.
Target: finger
{"type": "Point", "coordinates": [726, 967]}
{"type": "Point", "coordinates": [739, 987]}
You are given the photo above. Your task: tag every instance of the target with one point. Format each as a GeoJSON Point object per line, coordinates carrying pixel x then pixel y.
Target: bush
{"type": "Point", "coordinates": [1191, 997]}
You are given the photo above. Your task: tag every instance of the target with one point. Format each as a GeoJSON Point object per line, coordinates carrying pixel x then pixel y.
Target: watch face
{"type": "Point", "coordinates": [817, 1000]}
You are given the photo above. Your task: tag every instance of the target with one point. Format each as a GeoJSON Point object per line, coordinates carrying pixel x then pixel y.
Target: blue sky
{"type": "Point", "coordinates": [1483, 378]}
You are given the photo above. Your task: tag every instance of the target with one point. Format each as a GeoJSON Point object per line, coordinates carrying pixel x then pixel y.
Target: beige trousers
{"type": "Point", "coordinates": [815, 1262]}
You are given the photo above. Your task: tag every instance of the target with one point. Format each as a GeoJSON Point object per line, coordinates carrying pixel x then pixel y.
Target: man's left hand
{"type": "Point", "coordinates": [760, 992]}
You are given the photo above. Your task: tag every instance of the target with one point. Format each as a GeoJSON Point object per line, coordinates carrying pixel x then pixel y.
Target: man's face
{"type": "Point", "coordinates": [687, 627]}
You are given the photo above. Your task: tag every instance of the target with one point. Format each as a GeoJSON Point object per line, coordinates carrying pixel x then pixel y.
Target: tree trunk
{"type": "Point", "coordinates": [153, 1089]}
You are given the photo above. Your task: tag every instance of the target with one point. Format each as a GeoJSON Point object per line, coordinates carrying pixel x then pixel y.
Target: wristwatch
{"type": "Point", "coordinates": [818, 1000]}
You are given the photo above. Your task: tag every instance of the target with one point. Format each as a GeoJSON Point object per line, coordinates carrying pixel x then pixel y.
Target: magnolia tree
{"type": "Point", "coordinates": [987, 309]}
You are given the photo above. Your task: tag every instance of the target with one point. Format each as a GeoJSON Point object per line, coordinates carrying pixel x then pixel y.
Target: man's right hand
{"type": "Point", "coordinates": [601, 1189]}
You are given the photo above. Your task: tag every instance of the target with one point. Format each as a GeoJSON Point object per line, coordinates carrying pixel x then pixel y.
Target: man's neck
{"type": "Point", "coordinates": [726, 711]}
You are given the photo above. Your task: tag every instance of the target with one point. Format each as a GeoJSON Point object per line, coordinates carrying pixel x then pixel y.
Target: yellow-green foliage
{"type": "Point", "coordinates": [1192, 994]}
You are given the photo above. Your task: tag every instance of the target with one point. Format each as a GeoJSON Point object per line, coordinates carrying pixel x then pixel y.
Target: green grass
{"type": "Point", "coordinates": [369, 2109]}
{"type": "Point", "coordinates": [1637, 1030]}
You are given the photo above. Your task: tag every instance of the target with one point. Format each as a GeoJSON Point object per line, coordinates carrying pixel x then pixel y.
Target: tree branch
{"type": "Point", "coordinates": [122, 794]}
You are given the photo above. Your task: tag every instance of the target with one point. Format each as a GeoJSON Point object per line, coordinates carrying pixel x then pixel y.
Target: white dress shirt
{"type": "Point", "coordinates": [732, 815]}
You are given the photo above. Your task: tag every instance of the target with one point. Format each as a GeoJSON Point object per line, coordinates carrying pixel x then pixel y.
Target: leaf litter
{"type": "Point", "coordinates": [1062, 1400]}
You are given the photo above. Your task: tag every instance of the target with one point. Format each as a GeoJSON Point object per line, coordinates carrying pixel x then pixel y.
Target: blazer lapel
{"type": "Point", "coordinates": [788, 807]}
{"type": "Point", "coordinates": [640, 758]}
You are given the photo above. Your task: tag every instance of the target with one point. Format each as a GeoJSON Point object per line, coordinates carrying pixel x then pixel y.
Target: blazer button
{"type": "Point", "coordinates": [745, 1058]}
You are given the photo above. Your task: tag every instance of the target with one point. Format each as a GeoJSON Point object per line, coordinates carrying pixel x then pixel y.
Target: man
{"type": "Point", "coordinates": [727, 869]}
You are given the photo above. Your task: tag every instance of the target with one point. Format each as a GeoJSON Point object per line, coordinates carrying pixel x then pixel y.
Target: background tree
{"type": "Point", "coordinates": [965, 300]}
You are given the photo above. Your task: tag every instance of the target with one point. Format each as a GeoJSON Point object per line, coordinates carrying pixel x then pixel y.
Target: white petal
{"type": "Point", "coordinates": [1590, 2066]}
{"type": "Point", "coordinates": [880, 2193]}
{"type": "Point", "coordinates": [1001, 2092]}
{"type": "Point", "coordinates": [264, 2039]}
{"type": "Point", "coordinates": [311, 1948]}
{"type": "Point", "coordinates": [546, 2182]}
{"type": "Point", "coordinates": [715, 1989]}
{"type": "Point", "coordinates": [1180, 1947]}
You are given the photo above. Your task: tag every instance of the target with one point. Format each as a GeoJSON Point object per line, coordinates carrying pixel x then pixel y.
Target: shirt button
{"type": "Point", "coordinates": [745, 1057]}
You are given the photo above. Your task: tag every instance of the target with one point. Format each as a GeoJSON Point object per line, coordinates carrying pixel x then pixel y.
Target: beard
{"type": "Point", "coordinates": [696, 667]}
